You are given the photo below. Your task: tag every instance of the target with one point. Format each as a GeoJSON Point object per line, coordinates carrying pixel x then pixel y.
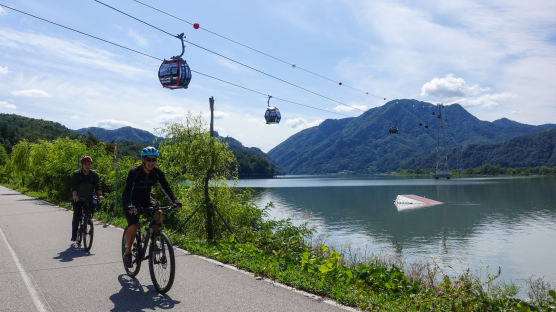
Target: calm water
{"type": "Point", "coordinates": [484, 223]}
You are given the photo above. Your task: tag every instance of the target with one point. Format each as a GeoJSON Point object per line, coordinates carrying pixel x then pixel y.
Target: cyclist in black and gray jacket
{"type": "Point", "coordinates": [84, 183]}
{"type": "Point", "coordinates": [137, 193]}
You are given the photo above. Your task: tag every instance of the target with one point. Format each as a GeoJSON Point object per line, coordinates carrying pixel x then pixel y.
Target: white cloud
{"type": "Point", "coordinates": [4, 104]}
{"type": "Point", "coordinates": [113, 124]}
{"type": "Point", "coordinates": [351, 108]}
{"type": "Point", "coordinates": [3, 70]}
{"type": "Point", "coordinates": [486, 100]}
{"type": "Point", "coordinates": [300, 123]}
{"type": "Point", "coordinates": [70, 52]}
{"type": "Point", "coordinates": [165, 114]}
{"type": "Point", "coordinates": [142, 41]}
{"type": "Point", "coordinates": [3, 11]}
{"type": "Point", "coordinates": [75, 117]}
{"type": "Point", "coordinates": [34, 93]}
{"type": "Point", "coordinates": [450, 87]}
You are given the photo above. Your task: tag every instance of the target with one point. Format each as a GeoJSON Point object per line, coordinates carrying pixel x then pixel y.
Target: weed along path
{"type": "Point", "coordinates": [40, 270]}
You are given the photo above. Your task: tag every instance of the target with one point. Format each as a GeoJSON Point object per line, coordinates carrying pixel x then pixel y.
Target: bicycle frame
{"type": "Point", "coordinates": [148, 232]}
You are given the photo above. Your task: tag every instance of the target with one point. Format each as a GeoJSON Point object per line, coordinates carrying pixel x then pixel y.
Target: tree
{"type": "Point", "coordinates": [200, 166]}
{"type": "Point", "coordinates": [20, 161]}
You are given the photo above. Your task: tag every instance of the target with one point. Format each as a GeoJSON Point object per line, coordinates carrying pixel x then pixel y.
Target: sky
{"type": "Point", "coordinates": [496, 58]}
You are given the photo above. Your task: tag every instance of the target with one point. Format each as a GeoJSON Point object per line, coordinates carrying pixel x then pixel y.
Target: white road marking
{"type": "Point", "coordinates": [28, 283]}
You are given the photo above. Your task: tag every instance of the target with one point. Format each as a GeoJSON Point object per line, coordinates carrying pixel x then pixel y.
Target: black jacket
{"type": "Point", "coordinates": [139, 184]}
{"type": "Point", "coordinates": [85, 185]}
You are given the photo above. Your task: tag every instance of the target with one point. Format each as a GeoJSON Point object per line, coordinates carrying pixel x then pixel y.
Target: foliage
{"type": "Point", "coordinates": [484, 170]}
{"type": "Point", "coordinates": [3, 155]}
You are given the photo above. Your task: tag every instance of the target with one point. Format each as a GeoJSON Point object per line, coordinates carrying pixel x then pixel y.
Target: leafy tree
{"type": "Point", "coordinates": [199, 166]}
{"type": "Point", "coordinates": [19, 160]}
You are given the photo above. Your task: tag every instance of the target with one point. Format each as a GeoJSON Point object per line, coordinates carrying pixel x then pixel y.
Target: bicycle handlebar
{"type": "Point", "coordinates": [145, 209]}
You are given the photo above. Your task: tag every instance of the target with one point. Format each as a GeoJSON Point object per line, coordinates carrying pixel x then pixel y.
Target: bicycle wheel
{"type": "Point", "coordinates": [135, 254]}
{"type": "Point", "coordinates": [162, 264]}
{"type": "Point", "coordinates": [88, 232]}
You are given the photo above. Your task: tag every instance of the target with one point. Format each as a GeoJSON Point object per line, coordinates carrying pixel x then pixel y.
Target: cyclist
{"type": "Point", "coordinates": [137, 193]}
{"type": "Point", "coordinates": [84, 183]}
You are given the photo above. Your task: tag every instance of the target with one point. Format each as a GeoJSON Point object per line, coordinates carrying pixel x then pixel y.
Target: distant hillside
{"type": "Point", "coordinates": [14, 128]}
{"type": "Point", "coordinates": [121, 134]}
{"type": "Point", "coordinates": [363, 144]}
{"type": "Point", "coordinates": [252, 161]}
{"type": "Point", "coordinates": [530, 150]}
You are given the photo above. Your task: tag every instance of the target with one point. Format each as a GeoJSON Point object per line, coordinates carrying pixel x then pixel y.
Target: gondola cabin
{"type": "Point", "coordinates": [272, 115]}
{"type": "Point", "coordinates": [174, 73]}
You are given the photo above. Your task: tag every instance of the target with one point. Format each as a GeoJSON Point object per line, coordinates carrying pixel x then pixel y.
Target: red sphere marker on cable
{"type": "Point", "coordinates": [196, 25]}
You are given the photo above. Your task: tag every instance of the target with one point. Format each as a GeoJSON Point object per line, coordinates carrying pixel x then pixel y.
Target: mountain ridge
{"type": "Point", "coordinates": [362, 144]}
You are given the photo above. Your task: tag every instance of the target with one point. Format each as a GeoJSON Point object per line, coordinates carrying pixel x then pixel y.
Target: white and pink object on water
{"type": "Point", "coordinates": [411, 201]}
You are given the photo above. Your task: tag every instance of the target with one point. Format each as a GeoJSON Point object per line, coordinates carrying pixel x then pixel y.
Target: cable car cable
{"type": "Point", "coordinates": [230, 59]}
{"type": "Point", "coordinates": [159, 59]}
{"type": "Point", "coordinates": [261, 52]}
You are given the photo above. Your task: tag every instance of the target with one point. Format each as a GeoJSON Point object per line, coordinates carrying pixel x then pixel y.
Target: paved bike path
{"type": "Point", "coordinates": [40, 270]}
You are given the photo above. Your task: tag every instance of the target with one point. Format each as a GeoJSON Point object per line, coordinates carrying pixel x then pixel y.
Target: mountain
{"type": "Point", "coordinates": [530, 150]}
{"type": "Point", "coordinates": [14, 128]}
{"type": "Point", "coordinates": [253, 162]}
{"type": "Point", "coordinates": [121, 134]}
{"type": "Point", "coordinates": [363, 144]}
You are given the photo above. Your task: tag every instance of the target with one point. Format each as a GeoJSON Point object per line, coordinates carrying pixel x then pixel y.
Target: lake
{"type": "Point", "coordinates": [484, 223]}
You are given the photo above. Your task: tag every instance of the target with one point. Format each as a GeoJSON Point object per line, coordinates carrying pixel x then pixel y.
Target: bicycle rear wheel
{"type": "Point", "coordinates": [135, 254]}
{"type": "Point", "coordinates": [162, 264]}
{"type": "Point", "coordinates": [87, 234]}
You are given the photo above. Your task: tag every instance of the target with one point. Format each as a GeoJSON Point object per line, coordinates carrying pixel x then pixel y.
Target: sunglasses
{"type": "Point", "coordinates": [150, 159]}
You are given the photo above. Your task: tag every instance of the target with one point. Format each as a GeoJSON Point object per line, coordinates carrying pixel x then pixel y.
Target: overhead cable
{"type": "Point", "coordinates": [230, 59]}
{"type": "Point", "coordinates": [293, 65]}
{"type": "Point", "coordinates": [159, 59]}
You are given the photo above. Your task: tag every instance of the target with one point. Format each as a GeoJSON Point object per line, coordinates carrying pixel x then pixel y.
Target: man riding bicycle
{"type": "Point", "coordinates": [137, 193]}
{"type": "Point", "coordinates": [84, 183]}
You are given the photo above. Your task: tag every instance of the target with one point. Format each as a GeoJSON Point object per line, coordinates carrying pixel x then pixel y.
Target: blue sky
{"type": "Point", "coordinates": [496, 58]}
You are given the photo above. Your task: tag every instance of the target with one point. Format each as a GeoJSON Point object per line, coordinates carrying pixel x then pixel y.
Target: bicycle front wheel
{"type": "Point", "coordinates": [87, 234]}
{"type": "Point", "coordinates": [162, 264]}
{"type": "Point", "coordinates": [136, 256]}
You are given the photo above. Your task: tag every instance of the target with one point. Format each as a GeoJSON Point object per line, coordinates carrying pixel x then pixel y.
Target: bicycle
{"type": "Point", "coordinates": [86, 230]}
{"type": "Point", "coordinates": [161, 252]}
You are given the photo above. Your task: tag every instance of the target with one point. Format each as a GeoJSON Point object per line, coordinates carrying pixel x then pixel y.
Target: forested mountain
{"type": "Point", "coordinates": [121, 134]}
{"type": "Point", "coordinates": [363, 144]}
{"type": "Point", "coordinates": [530, 150]}
{"type": "Point", "coordinates": [252, 161]}
{"type": "Point", "coordinates": [14, 128]}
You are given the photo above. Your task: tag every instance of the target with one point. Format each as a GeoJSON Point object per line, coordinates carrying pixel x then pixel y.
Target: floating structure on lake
{"type": "Point", "coordinates": [410, 201]}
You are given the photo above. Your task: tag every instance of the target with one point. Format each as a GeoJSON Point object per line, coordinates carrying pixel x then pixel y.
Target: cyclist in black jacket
{"type": "Point", "coordinates": [137, 193]}
{"type": "Point", "coordinates": [84, 183]}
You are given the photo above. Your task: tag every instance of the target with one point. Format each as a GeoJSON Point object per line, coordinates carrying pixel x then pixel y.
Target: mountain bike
{"type": "Point", "coordinates": [162, 264]}
{"type": "Point", "coordinates": [86, 231]}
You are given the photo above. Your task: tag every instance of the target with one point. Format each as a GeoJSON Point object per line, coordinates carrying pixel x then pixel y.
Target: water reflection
{"type": "Point", "coordinates": [504, 222]}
